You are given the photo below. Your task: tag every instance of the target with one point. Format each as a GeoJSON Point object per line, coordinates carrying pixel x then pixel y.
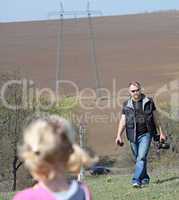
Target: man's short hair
{"type": "Point", "coordinates": [135, 83]}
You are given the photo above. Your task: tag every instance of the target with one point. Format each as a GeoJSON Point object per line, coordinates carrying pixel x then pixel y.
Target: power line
{"type": "Point", "coordinates": [60, 40]}
{"type": "Point", "coordinates": [93, 49]}
{"type": "Point", "coordinates": [60, 47]}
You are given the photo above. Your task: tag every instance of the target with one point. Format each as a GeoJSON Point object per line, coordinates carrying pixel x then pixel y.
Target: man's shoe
{"type": "Point", "coordinates": [136, 185]}
{"type": "Point", "coordinates": [145, 182]}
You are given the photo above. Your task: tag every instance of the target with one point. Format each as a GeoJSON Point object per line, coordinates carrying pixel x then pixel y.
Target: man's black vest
{"type": "Point", "coordinates": [147, 105]}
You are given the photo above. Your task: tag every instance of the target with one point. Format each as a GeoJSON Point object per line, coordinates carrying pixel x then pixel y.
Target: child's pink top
{"type": "Point", "coordinates": [40, 193]}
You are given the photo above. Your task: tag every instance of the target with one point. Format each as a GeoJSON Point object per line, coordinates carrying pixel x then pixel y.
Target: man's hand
{"type": "Point", "coordinates": [158, 124]}
{"type": "Point", "coordinates": [119, 141]}
{"type": "Point", "coordinates": [163, 137]}
{"type": "Point", "coordinates": [121, 127]}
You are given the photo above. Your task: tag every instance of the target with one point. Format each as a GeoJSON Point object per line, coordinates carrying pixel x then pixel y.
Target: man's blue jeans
{"type": "Point", "coordinates": [140, 151]}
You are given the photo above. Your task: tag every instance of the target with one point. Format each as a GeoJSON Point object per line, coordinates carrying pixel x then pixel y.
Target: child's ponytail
{"type": "Point", "coordinates": [79, 158]}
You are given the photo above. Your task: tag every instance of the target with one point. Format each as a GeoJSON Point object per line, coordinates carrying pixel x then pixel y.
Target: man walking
{"type": "Point", "coordinates": [140, 119]}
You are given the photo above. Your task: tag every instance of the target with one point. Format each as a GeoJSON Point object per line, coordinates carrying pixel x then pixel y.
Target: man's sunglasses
{"type": "Point", "coordinates": [135, 90]}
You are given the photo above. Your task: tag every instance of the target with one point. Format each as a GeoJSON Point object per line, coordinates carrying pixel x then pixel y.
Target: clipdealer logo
{"type": "Point", "coordinates": [86, 98]}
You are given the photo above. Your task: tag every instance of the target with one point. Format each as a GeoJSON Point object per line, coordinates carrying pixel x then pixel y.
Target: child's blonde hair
{"type": "Point", "coordinates": [48, 142]}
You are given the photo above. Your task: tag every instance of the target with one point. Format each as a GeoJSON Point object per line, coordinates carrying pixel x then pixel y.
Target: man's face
{"type": "Point", "coordinates": [135, 92]}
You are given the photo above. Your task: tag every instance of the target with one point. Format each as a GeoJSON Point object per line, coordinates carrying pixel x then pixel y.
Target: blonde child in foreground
{"type": "Point", "coordinates": [49, 152]}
